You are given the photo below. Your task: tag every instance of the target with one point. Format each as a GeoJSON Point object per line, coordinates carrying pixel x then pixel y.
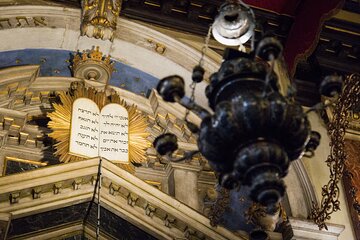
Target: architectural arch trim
{"type": "Point", "coordinates": [61, 30]}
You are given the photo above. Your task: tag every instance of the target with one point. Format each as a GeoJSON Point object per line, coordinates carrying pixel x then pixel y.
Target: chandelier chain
{"type": "Point", "coordinates": [98, 202]}
{"type": "Point", "coordinates": [201, 63]}
{"type": "Point", "coordinates": [336, 160]}
{"type": "Point", "coordinates": [192, 99]}
{"type": "Point", "coordinates": [205, 47]}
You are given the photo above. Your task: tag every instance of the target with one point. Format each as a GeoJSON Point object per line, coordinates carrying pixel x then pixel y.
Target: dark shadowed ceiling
{"type": "Point", "coordinates": [319, 37]}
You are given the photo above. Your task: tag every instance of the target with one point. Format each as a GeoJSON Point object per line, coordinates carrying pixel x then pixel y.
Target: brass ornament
{"type": "Point", "coordinates": [61, 121]}
{"type": "Point", "coordinates": [92, 65]}
{"type": "Point", "coordinates": [99, 18]}
{"type": "Point", "coordinates": [336, 160]}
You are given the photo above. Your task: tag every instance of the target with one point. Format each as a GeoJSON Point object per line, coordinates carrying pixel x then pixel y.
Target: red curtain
{"type": "Point", "coordinates": [309, 15]}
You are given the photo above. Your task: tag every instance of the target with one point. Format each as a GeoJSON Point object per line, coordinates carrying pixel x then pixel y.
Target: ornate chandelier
{"type": "Point", "coordinates": [254, 131]}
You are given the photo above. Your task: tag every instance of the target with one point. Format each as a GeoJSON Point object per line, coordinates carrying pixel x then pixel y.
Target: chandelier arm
{"type": "Point", "coordinates": [187, 156]}
{"type": "Point", "coordinates": [198, 110]}
{"type": "Point", "coordinates": [336, 160]}
{"type": "Point", "coordinates": [268, 74]}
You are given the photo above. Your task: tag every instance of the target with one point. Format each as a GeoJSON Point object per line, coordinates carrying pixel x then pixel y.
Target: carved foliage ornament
{"type": "Point", "coordinates": [349, 98]}
{"type": "Point", "coordinates": [99, 18]}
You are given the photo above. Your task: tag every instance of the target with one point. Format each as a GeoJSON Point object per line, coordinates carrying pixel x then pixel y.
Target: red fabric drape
{"type": "Point", "coordinates": [304, 34]}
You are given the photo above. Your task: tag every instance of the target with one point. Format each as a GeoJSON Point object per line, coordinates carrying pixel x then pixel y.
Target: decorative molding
{"type": "Point", "coordinates": [132, 200]}
{"type": "Point", "coordinates": [306, 185]}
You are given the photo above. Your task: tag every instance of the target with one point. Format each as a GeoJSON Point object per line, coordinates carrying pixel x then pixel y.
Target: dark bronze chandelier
{"type": "Point", "coordinates": [253, 132]}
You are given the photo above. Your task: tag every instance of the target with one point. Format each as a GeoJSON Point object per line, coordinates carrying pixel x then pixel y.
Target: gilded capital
{"type": "Point", "coordinates": [99, 18]}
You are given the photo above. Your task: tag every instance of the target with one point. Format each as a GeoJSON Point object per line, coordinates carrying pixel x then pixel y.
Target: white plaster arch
{"type": "Point", "coordinates": [134, 44]}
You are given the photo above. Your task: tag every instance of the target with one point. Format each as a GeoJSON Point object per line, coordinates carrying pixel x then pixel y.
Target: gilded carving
{"type": "Point", "coordinates": [99, 18]}
{"type": "Point", "coordinates": [61, 124]}
{"type": "Point", "coordinates": [158, 47]}
{"type": "Point", "coordinates": [92, 65]}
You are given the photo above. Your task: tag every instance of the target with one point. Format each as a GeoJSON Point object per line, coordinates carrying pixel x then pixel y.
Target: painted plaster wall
{"type": "Point", "coordinates": [55, 62]}
{"type": "Point", "coordinates": [319, 176]}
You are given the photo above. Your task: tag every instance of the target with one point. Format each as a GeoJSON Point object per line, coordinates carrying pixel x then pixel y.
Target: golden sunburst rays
{"type": "Point", "coordinates": [61, 122]}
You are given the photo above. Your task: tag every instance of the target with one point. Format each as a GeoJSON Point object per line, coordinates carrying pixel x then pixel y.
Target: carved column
{"type": "Point", "coordinates": [186, 183]}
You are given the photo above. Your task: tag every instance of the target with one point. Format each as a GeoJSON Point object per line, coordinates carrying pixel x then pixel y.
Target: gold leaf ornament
{"type": "Point", "coordinates": [60, 124]}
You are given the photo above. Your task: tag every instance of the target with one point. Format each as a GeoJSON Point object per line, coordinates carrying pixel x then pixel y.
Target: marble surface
{"type": "Point", "coordinates": [110, 223]}
{"type": "Point", "coordinates": [17, 167]}
{"type": "Point", "coordinates": [45, 220]}
{"type": "Point", "coordinates": [117, 226]}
